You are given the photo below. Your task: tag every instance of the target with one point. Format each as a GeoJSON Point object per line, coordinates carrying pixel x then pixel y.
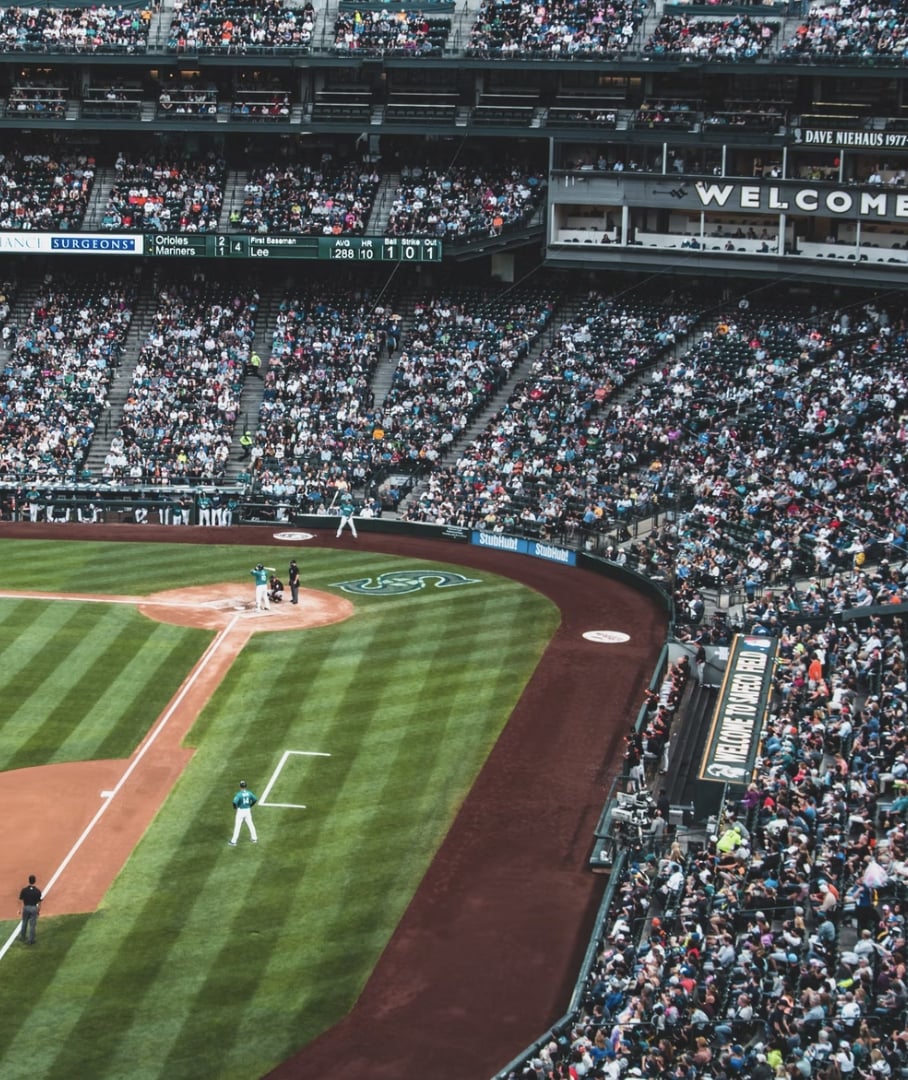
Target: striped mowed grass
{"type": "Point", "coordinates": [204, 960]}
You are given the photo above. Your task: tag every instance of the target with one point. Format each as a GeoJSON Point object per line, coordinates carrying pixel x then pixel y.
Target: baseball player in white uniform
{"type": "Point", "coordinates": [243, 801]}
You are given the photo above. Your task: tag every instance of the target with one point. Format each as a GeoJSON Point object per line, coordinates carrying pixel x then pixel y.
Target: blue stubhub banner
{"type": "Point", "coordinates": [537, 548]}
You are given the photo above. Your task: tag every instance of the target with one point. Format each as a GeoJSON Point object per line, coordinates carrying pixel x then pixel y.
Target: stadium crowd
{"type": "Point", "coordinates": [56, 382]}
{"type": "Point", "coordinates": [777, 948]}
{"type": "Point", "coordinates": [317, 424]}
{"type": "Point", "coordinates": [558, 29]}
{"type": "Point", "coordinates": [455, 201]}
{"type": "Point", "coordinates": [183, 402]}
{"type": "Point", "coordinates": [400, 32]}
{"type": "Point", "coordinates": [223, 27]}
{"type": "Point", "coordinates": [736, 38]}
{"type": "Point", "coordinates": [103, 28]}
{"type": "Point", "coordinates": [547, 459]}
{"type": "Point", "coordinates": [839, 30]}
{"type": "Point", "coordinates": [323, 198]}
{"type": "Point", "coordinates": [165, 193]}
{"type": "Point", "coordinates": [43, 191]}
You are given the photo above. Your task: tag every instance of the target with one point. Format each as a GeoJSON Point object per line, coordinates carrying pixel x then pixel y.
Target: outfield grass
{"type": "Point", "coordinates": [206, 960]}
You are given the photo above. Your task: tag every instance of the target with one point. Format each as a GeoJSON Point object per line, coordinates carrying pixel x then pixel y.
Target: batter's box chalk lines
{"type": "Point", "coordinates": [263, 801]}
{"type": "Point", "coordinates": [229, 604]}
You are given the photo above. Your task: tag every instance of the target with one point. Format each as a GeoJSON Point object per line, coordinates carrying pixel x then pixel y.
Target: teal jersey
{"type": "Point", "coordinates": [261, 576]}
{"type": "Point", "coordinates": [244, 799]}
{"type": "Point", "coordinates": [347, 507]}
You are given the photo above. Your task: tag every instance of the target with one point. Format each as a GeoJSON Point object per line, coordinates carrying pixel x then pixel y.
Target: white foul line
{"type": "Point", "coordinates": [108, 796]}
{"type": "Point", "coordinates": [287, 753]}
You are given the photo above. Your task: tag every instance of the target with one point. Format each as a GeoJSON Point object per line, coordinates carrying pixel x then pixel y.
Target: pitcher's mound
{"type": "Point", "coordinates": [214, 606]}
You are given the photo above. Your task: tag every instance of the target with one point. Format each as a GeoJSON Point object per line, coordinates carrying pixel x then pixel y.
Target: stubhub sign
{"type": "Point", "coordinates": [524, 547]}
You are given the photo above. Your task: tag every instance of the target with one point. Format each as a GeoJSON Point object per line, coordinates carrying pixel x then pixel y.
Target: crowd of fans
{"type": "Point", "coordinates": [776, 949]}
{"type": "Point", "coordinates": [779, 434]}
{"type": "Point", "coordinates": [559, 29]}
{"type": "Point", "coordinates": [80, 29]}
{"type": "Point", "coordinates": [460, 201]}
{"type": "Point", "coordinates": [326, 197]}
{"type": "Point", "coordinates": [462, 347]}
{"type": "Point", "coordinates": [399, 32]}
{"type": "Point", "coordinates": [224, 27]}
{"type": "Point", "coordinates": [160, 194]}
{"type": "Point", "coordinates": [549, 459]}
{"type": "Point", "coordinates": [188, 100]}
{"type": "Point", "coordinates": [845, 30]}
{"type": "Point", "coordinates": [735, 38]}
{"type": "Point", "coordinates": [55, 384]}
{"type": "Point", "coordinates": [37, 100]}
{"type": "Point", "coordinates": [317, 424]}
{"type": "Point", "coordinates": [183, 404]}
{"type": "Point", "coordinates": [42, 191]}
{"type": "Point", "coordinates": [798, 472]}
{"type": "Point", "coordinates": [270, 105]}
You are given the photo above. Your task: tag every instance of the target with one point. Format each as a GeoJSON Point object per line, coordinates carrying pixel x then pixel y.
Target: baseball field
{"type": "Point", "coordinates": [430, 737]}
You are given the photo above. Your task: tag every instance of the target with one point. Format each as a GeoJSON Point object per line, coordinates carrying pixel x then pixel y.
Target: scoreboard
{"type": "Point", "coordinates": [267, 246]}
{"type": "Point", "coordinates": [178, 245]}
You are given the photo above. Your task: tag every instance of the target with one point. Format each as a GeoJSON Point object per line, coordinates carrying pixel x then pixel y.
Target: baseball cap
{"type": "Point", "coordinates": [242, 783]}
{"type": "Point", "coordinates": [260, 566]}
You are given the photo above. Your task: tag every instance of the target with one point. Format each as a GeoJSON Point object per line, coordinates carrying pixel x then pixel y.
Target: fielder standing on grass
{"type": "Point", "coordinates": [243, 802]}
{"type": "Point", "coordinates": [30, 898]}
{"type": "Point", "coordinates": [260, 574]}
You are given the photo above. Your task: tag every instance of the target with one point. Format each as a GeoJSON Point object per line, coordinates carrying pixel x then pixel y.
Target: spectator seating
{"type": "Point", "coordinates": [323, 197]}
{"type": "Point", "coordinates": [462, 201]}
{"type": "Point", "coordinates": [563, 475]}
{"type": "Point", "coordinates": [55, 384]}
{"type": "Point", "coordinates": [830, 32]}
{"type": "Point", "coordinates": [737, 38]}
{"type": "Point", "coordinates": [187, 102]}
{"type": "Point", "coordinates": [42, 192]}
{"type": "Point", "coordinates": [463, 347]}
{"type": "Point", "coordinates": [777, 943]}
{"type": "Point", "coordinates": [236, 29]}
{"type": "Point", "coordinates": [113, 102]}
{"type": "Point", "coordinates": [380, 32]}
{"type": "Point", "coordinates": [152, 194]}
{"type": "Point", "coordinates": [39, 102]}
{"type": "Point", "coordinates": [182, 407]}
{"type": "Point", "coordinates": [270, 106]}
{"type": "Point", "coordinates": [317, 423]}
{"type": "Point", "coordinates": [101, 29]}
{"type": "Point", "coordinates": [559, 30]}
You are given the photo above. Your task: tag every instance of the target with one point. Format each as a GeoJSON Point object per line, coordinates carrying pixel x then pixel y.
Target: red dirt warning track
{"type": "Point", "coordinates": [487, 953]}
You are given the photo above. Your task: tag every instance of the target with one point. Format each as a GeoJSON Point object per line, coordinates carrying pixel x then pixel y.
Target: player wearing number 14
{"type": "Point", "coordinates": [243, 802]}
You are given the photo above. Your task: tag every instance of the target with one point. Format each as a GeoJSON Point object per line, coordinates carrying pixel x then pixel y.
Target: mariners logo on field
{"type": "Point", "coordinates": [400, 582]}
{"type": "Point", "coordinates": [607, 637]}
{"type": "Point", "coordinates": [294, 536]}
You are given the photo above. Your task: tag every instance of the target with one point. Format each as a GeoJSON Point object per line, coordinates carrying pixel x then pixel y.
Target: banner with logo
{"type": "Point", "coordinates": [734, 737]}
{"type": "Point", "coordinates": [520, 546]}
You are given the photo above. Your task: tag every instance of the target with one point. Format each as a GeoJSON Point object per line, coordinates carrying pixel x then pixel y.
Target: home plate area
{"type": "Point", "coordinates": [216, 606]}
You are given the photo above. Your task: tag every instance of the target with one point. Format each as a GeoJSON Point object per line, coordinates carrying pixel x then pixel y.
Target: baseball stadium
{"type": "Point", "coordinates": [454, 530]}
